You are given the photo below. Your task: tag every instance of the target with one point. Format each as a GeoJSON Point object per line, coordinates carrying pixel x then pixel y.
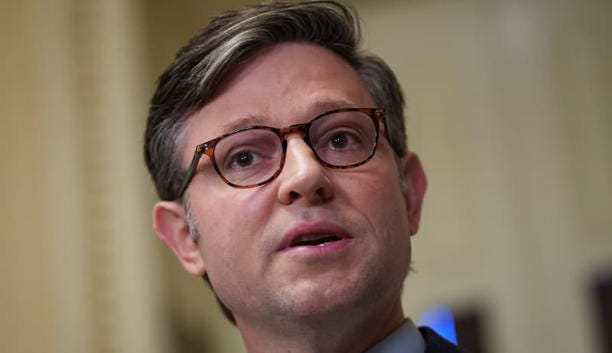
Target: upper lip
{"type": "Point", "coordinates": [304, 230]}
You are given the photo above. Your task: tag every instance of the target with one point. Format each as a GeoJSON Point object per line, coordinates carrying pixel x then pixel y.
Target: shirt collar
{"type": "Point", "coordinates": [405, 339]}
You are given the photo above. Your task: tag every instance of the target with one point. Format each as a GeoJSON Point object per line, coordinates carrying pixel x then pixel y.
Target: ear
{"type": "Point", "coordinates": [415, 182]}
{"type": "Point", "coordinates": [171, 227]}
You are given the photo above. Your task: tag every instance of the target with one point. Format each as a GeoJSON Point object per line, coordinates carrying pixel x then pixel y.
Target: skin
{"type": "Point", "coordinates": [343, 298]}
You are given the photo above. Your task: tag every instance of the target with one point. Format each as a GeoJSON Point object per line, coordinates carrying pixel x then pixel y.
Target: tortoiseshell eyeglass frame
{"type": "Point", "coordinates": [208, 148]}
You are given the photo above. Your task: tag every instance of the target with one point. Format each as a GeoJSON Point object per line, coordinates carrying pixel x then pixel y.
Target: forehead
{"type": "Point", "coordinates": [281, 85]}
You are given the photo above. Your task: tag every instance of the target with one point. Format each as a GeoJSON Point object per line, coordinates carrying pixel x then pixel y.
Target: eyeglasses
{"type": "Point", "coordinates": [254, 155]}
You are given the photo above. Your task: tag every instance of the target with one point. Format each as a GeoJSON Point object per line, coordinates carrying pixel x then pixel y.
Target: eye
{"type": "Point", "coordinates": [242, 159]}
{"type": "Point", "coordinates": [339, 140]}
{"type": "Point", "coordinates": [249, 156]}
{"type": "Point", "coordinates": [343, 139]}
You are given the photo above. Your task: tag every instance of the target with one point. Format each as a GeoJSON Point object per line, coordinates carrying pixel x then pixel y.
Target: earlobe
{"type": "Point", "coordinates": [415, 182]}
{"type": "Point", "coordinates": [171, 227]}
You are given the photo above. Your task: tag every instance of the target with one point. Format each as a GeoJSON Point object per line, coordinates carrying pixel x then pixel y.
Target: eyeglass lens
{"type": "Point", "coordinates": [340, 139]}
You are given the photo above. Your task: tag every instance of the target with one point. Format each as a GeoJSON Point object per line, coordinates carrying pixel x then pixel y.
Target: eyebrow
{"type": "Point", "coordinates": [323, 106]}
{"type": "Point", "coordinates": [245, 121]}
{"type": "Point", "coordinates": [315, 109]}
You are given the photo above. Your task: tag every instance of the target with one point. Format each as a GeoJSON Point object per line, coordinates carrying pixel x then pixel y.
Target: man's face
{"type": "Point", "coordinates": [314, 241]}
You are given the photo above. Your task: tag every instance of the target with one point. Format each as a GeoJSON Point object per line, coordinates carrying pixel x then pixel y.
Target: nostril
{"type": "Point", "coordinates": [294, 195]}
{"type": "Point", "coordinates": [324, 193]}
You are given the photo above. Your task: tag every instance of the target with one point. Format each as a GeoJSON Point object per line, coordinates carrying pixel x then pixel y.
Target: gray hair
{"type": "Point", "coordinates": [192, 222]}
{"type": "Point", "coordinates": [230, 39]}
{"type": "Point", "coordinates": [194, 233]}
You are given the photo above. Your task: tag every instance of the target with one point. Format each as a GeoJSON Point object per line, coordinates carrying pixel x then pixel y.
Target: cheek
{"type": "Point", "coordinates": [392, 227]}
{"type": "Point", "coordinates": [230, 223]}
{"type": "Point", "coordinates": [378, 185]}
{"type": "Point", "coordinates": [378, 198]}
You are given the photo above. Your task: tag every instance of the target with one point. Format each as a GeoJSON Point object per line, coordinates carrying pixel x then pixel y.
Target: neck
{"type": "Point", "coordinates": [346, 332]}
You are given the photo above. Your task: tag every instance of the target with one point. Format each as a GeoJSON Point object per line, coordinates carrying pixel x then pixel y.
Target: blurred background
{"type": "Point", "coordinates": [509, 105]}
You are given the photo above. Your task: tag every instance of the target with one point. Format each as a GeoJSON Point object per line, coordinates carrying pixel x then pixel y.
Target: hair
{"type": "Point", "coordinates": [202, 67]}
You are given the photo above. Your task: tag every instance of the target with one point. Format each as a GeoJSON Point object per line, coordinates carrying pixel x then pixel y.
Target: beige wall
{"type": "Point", "coordinates": [508, 105]}
{"type": "Point", "coordinates": [78, 263]}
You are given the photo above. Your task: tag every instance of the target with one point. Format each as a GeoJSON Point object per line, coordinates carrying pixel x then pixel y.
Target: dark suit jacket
{"type": "Point", "coordinates": [434, 343]}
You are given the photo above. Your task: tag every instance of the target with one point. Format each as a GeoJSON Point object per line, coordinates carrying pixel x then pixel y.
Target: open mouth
{"type": "Point", "coordinates": [316, 236]}
{"type": "Point", "coordinates": [314, 240]}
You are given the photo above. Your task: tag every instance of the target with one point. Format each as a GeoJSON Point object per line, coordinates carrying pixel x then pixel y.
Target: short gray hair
{"type": "Point", "coordinates": [230, 39]}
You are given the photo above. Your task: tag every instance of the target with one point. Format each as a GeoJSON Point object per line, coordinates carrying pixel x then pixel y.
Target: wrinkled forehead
{"type": "Point", "coordinates": [284, 84]}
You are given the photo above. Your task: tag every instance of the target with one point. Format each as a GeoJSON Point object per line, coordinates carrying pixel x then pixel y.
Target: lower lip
{"type": "Point", "coordinates": [314, 251]}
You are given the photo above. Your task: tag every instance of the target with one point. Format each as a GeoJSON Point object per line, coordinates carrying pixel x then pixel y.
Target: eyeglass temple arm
{"type": "Point", "coordinates": [190, 172]}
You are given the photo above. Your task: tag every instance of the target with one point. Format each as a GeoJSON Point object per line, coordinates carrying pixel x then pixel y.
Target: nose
{"type": "Point", "coordinates": [303, 177]}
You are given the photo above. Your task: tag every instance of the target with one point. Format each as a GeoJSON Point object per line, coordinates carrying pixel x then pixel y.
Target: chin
{"type": "Point", "coordinates": [332, 298]}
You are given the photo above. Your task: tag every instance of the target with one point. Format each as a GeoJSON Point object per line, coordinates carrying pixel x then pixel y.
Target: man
{"type": "Point", "coordinates": [278, 150]}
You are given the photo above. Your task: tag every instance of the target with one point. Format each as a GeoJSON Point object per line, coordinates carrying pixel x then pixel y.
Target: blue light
{"type": "Point", "coordinates": [440, 319]}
